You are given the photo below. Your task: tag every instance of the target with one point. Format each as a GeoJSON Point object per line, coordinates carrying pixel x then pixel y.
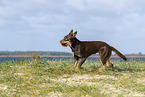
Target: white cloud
{"type": "Point", "coordinates": [94, 20]}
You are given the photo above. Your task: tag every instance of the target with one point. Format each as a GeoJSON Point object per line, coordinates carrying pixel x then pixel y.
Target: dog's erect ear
{"type": "Point", "coordinates": [71, 32]}
{"type": "Point", "coordinates": [74, 35]}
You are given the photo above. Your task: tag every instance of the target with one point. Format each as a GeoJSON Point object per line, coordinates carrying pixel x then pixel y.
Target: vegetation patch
{"type": "Point", "coordinates": [57, 79]}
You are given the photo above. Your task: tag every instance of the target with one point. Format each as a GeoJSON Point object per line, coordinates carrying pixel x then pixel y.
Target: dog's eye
{"type": "Point", "coordinates": [65, 38]}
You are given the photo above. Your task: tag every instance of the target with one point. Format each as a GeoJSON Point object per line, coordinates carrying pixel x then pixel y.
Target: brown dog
{"type": "Point", "coordinates": [83, 49]}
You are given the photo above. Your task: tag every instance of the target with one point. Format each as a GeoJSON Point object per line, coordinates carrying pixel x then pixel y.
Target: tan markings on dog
{"type": "Point", "coordinates": [73, 53]}
{"type": "Point", "coordinates": [77, 55]}
{"type": "Point", "coordinates": [63, 45]}
{"type": "Point", "coordinates": [62, 42]}
{"type": "Point", "coordinates": [110, 64]}
{"type": "Point", "coordinates": [65, 42]}
{"type": "Point", "coordinates": [75, 65]}
{"type": "Point", "coordinates": [80, 67]}
{"type": "Point", "coordinates": [102, 62]}
{"type": "Point", "coordinates": [68, 43]}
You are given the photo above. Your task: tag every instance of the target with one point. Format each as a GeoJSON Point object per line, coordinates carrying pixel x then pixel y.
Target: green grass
{"type": "Point", "coordinates": [57, 79]}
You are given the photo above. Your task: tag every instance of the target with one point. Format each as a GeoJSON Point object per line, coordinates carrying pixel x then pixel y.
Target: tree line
{"type": "Point", "coordinates": [48, 53]}
{"type": "Point", "coordinates": [33, 53]}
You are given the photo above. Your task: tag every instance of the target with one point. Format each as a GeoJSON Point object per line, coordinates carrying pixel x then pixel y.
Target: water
{"type": "Point", "coordinates": [68, 58]}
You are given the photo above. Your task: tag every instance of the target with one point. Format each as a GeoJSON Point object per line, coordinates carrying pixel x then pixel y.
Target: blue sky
{"type": "Point", "coordinates": [40, 24]}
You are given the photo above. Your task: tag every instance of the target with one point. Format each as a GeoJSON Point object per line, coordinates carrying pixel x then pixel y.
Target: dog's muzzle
{"type": "Point", "coordinates": [62, 42]}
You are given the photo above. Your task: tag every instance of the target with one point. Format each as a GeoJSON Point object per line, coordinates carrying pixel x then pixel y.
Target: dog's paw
{"type": "Point", "coordinates": [73, 68]}
{"type": "Point", "coordinates": [80, 67]}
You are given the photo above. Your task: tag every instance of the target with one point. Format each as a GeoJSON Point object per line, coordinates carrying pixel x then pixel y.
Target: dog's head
{"type": "Point", "coordinates": [68, 39]}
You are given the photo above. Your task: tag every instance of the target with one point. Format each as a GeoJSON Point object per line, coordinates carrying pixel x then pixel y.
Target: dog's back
{"type": "Point", "coordinates": [92, 47]}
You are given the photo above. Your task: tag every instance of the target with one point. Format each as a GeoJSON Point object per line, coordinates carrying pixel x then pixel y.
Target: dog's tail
{"type": "Point", "coordinates": [118, 53]}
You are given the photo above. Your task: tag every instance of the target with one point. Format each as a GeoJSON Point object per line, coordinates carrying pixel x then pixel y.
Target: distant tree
{"type": "Point", "coordinates": [140, 54]}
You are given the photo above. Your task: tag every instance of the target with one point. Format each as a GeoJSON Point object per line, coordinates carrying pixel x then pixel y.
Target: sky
{"type": "Point", "coordinates": [39, 25]}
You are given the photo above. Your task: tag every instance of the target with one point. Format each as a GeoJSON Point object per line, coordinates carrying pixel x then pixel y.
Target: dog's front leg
{"type": "Point", "coordinates": [81, 62]}
{"type": "Point", "coordinates": [75, 63]}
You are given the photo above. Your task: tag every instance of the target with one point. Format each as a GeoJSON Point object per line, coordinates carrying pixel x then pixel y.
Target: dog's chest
{"type": "Point", "coordinates": [77, 51]}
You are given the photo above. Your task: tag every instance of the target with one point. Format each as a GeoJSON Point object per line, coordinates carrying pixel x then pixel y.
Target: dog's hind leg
{"type": "Point", "coordinates": [102, 58]}
{"type": "Point", "coordinates": [105, 54]}
{"type": "Point", "coordinates": [110, 64]}
{"type": "Point", "coordinates": [103, 62]}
